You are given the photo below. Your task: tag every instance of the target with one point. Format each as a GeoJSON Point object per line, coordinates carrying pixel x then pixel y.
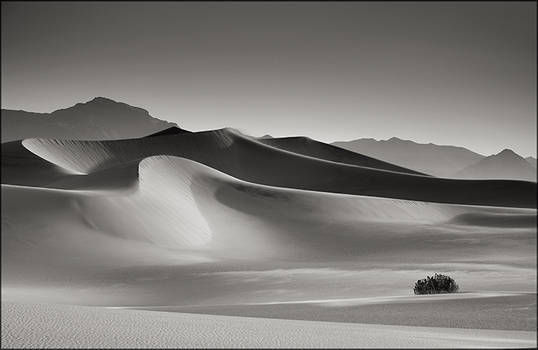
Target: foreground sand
{"type": "Point", "coordinates": [50, 326]}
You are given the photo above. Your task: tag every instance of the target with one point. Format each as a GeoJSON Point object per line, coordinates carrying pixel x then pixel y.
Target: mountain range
{"type": "Point", "coordinates": [444, 160]}
{"type": "Point", "coordinates": [98, 119]}
{"type": "Point", "coordinates": [105, 119]}
{"type": "Point", "coordinates": [504, 165]}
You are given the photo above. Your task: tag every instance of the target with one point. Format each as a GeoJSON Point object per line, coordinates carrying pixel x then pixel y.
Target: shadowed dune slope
{"type": "Point", "coordinates": [312, 148]}
{"type": "Point", "coordinates": [170, 131]}
{"type": "Point", "coordinates": [250, 160]}
{"type": "Point", "coordinates": [22, 167]}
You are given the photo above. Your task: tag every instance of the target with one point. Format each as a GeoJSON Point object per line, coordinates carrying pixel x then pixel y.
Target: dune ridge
{"type": "Point", "coordinates": [251, 160]}
{"type": "Point", "coordinates": [312, 148]}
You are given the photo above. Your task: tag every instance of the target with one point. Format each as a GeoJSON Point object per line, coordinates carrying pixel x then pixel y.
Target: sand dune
{"type": "Point", "coordinates": [243, 238]}
{"type": "Point", "coordinates": [180, 220]}
{"type": "Point", "coordinates": [20, 167]}
{"type": "Point", "coordinates": [174, 130]}
{"type": "Point", "coordinates": [312, 148]}
{"type": "Point", "coordinates": [251, 160]}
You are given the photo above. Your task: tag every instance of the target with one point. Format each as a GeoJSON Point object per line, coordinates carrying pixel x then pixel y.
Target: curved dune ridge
{"type": "Point", "coordinates": [255, 161]}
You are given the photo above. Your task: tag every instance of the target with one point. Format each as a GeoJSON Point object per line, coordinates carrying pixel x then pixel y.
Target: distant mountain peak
{"type": "Point", "coordinates": [427, 158]}
{"type": "Point", "coordinates": [100, 118]}
{"type": "Point", "coordinates": [506, 164]}
{"type": "Point", "coordinates": [100, 99]}
{"type": "Point", "coordinates": [102, 108]}
{"type": "Point", "coordinates": [101, 102]}
{"type": "Point", "coordinates": [445, 160]}
{"type": "Point", "coordinates": [508, 153]}
{"type": "Point", "coordinates": [398, 140]}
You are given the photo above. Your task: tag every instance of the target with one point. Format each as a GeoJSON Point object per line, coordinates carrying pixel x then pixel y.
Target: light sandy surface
{"type": "Point", "coordinates": [52, 326]}
{"type": "Point", "coordinates": [509, 311]}
{"type": "Point", "coordinates": [126, 224]}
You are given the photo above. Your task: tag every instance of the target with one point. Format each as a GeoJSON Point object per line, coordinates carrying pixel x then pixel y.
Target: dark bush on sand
{"type": "Point", "coordinates": [435, 285]}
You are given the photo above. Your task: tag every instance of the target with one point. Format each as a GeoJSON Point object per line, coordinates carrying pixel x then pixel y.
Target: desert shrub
{"type": "Point", "coordinates": [435, 285]}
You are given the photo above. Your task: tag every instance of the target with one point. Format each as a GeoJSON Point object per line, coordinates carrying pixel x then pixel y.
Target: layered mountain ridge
{"type": "Point", "coordinates": [98, 119]}
{"type": "Point", "coordinates": [442, 160]}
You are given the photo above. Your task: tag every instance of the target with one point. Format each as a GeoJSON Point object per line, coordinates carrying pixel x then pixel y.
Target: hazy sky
{"type": "Point", "coordinates": [447, 73]}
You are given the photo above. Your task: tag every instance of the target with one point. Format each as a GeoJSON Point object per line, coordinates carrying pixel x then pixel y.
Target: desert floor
{"type": "Point", "coordinates": [46, 325]}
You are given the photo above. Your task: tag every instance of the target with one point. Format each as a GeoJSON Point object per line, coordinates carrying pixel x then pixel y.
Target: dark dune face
{"type": "Point", "coordinates": [170, 131]}
{"type": "Point", "coordinates": [312, 148]}
{"type": "Point", "coordinates": [22, 167]}
{"type": "Point", "coordinates": [495, 220]}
